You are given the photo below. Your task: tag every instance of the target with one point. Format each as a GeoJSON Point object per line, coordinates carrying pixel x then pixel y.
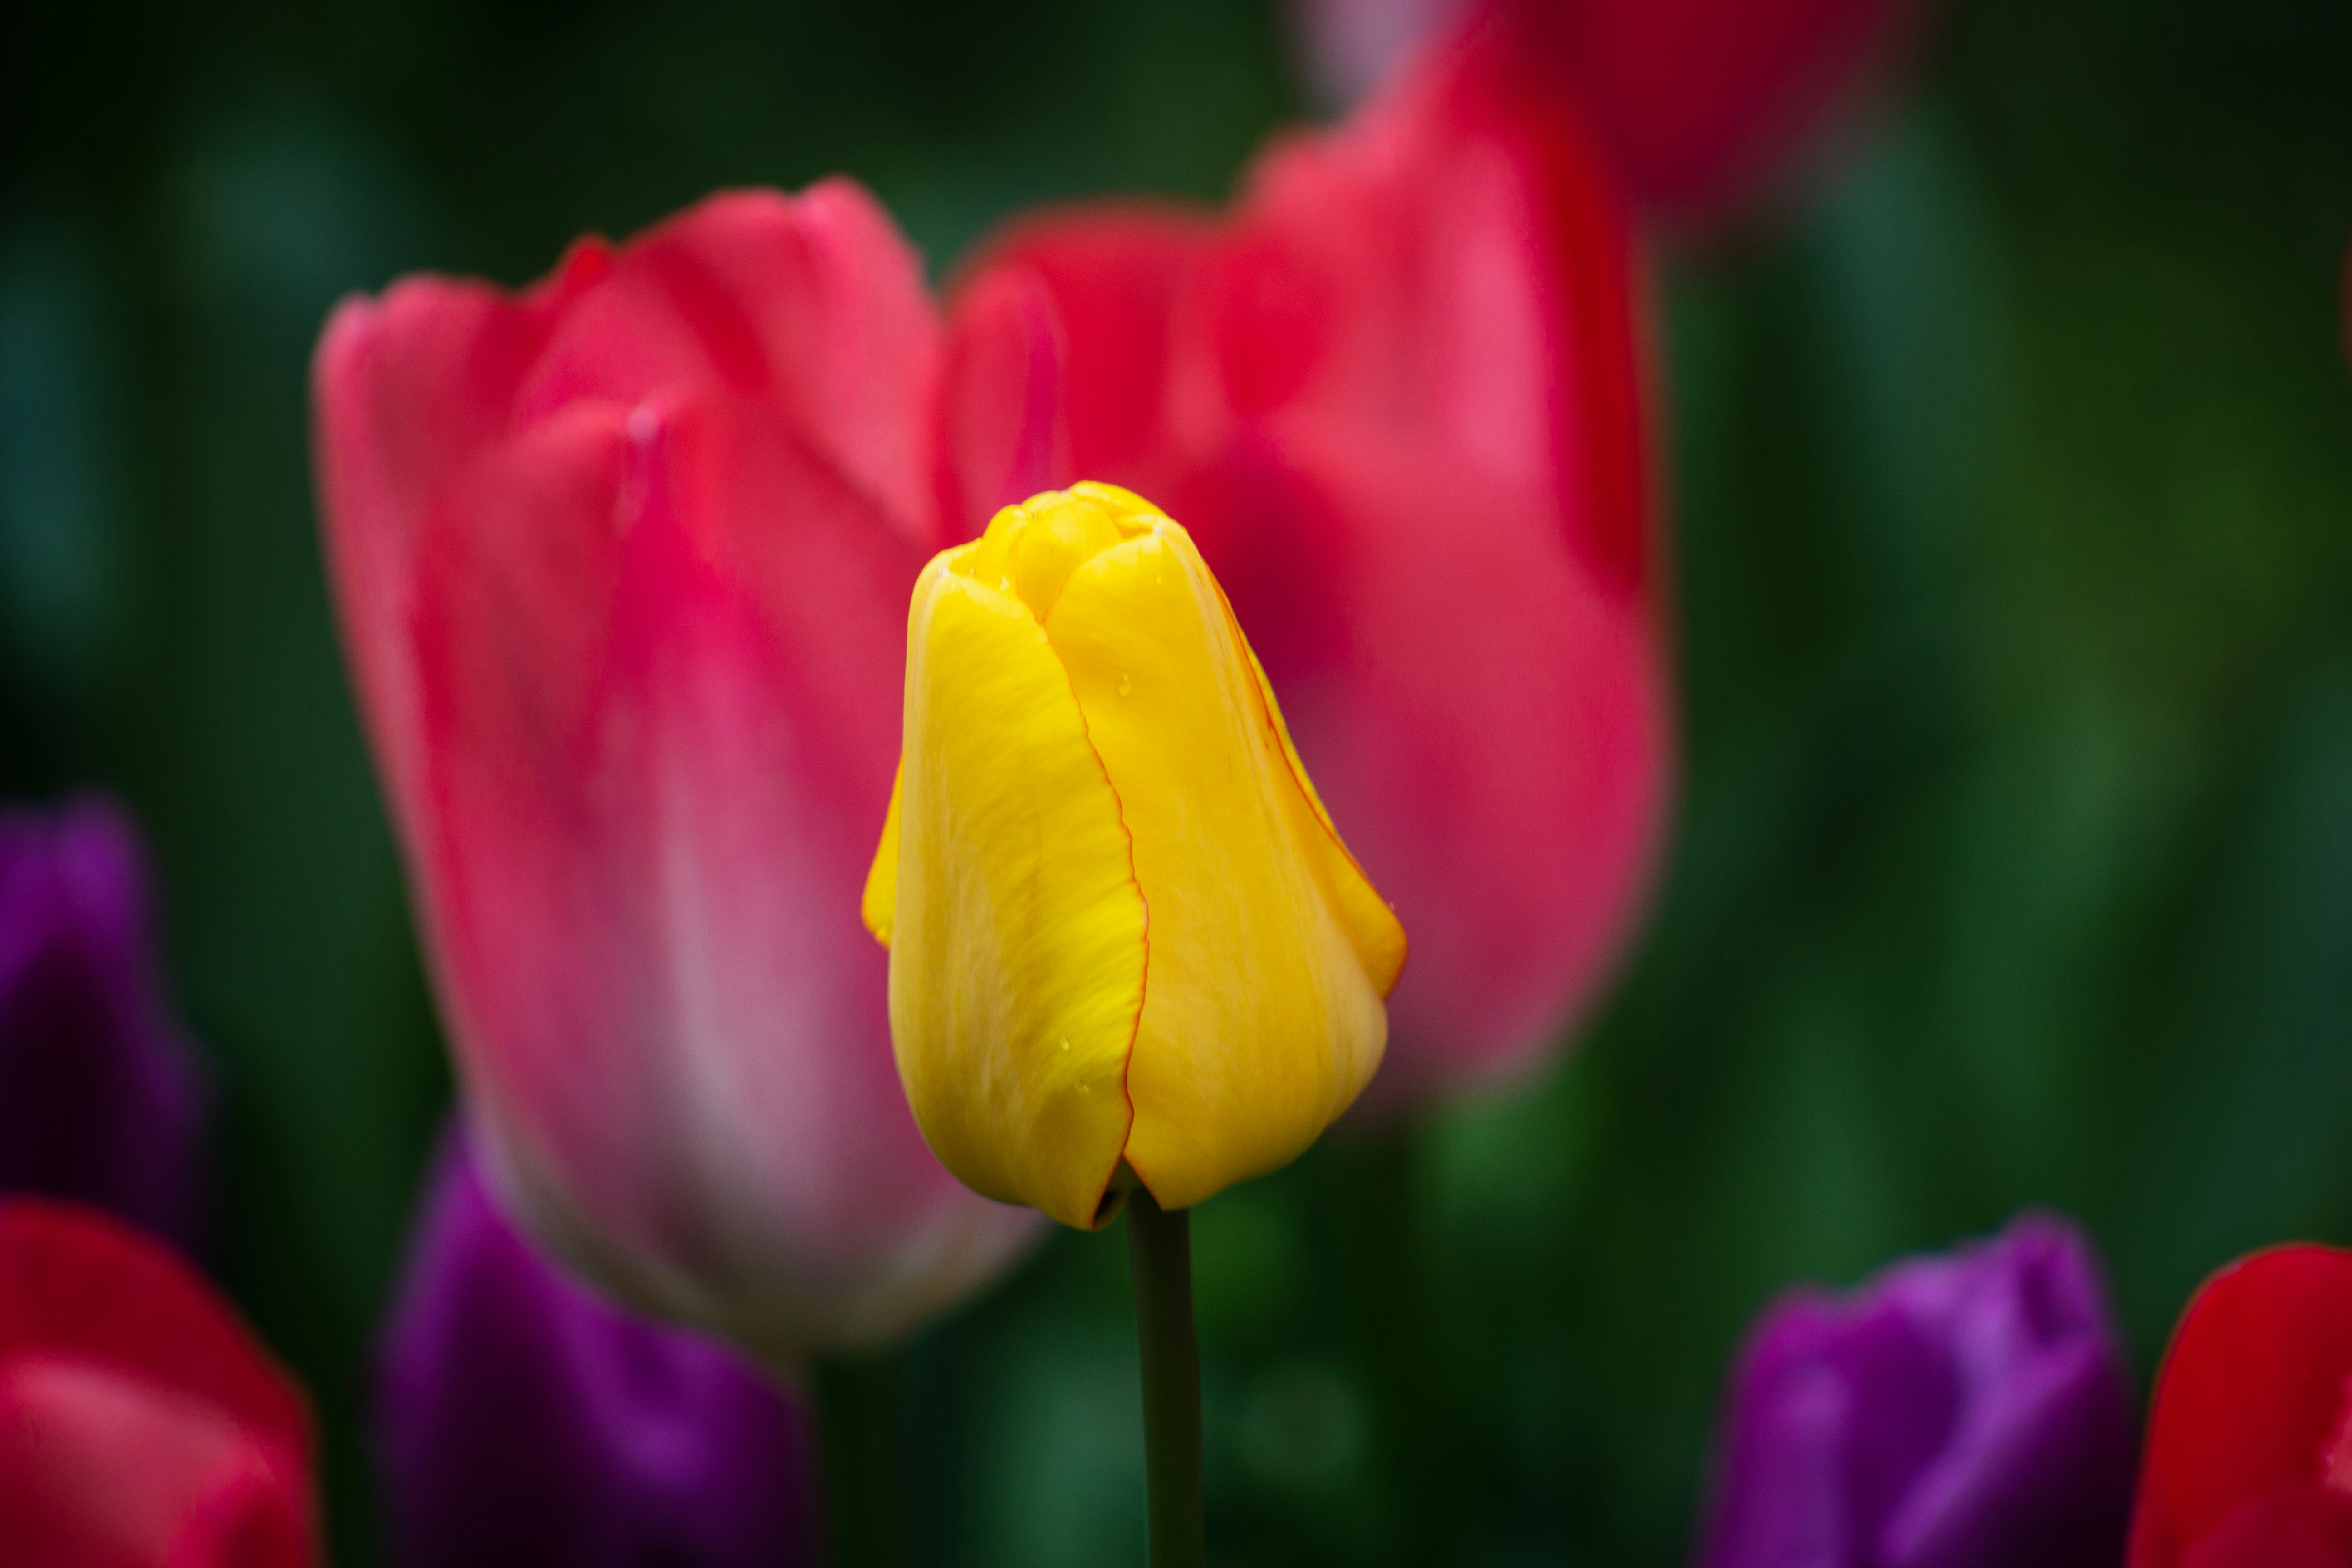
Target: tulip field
{"type": "Point", "coordinates": [1340, 784]}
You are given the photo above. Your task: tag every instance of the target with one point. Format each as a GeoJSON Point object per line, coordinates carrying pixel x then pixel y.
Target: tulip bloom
{"type": "Point", "coordinates": [140, 1426]}
{"type": "Point", "coordinates": [522, 1419]}
{"type": "Point", "coordinates": [622, 564]}
{"type": "Point", "coordinates": [1396, 396]}
{"type": "Point", "coordinates": [1122, 928]}
{"type": "Point", "coordinates": [1966, 1411]}
{"type": "Point", "coordinates": [1704, 104]}
{"type": "Point", "coordinates": [2249, 1461]}
{"type": "Point", "coordinates": [101, 1099]}
{"type": "Point", "coordinates": [1701, 104]}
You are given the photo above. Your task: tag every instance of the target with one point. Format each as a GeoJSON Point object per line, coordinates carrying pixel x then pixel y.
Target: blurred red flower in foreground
{"type": "Point", "coordinates": [623, 564]}
{"type": "Point", "coordinates": [1701, 104]}
{"type": "Point", "coordinates": [2249, 1459]}
{"type": "Point", "coordinates": [140, 1426]}
{"type": "Point", "coordinates": [1396, 395]}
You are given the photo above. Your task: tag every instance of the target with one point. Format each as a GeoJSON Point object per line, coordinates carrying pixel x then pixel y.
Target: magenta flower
{"type": "Point", "coordinates": [100, 1101]}
{"type": "Point", "coordinates": [1968, 1410]}
{"type": "Point", "coordinates": [522, 1419]}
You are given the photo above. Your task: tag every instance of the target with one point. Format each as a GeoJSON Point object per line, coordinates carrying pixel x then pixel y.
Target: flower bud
{"type": "Point", "coordinates": [519, 1417]}
{"type": "Point", "coordinates": [2248, 1461]}
{"type": "Point", "coordinates": [140, 1425]}
{"type": "Point", "coordinates": [1121, 926]}
{"type": "Point", "coordinates": [1962, 1411]}
{"type": "Point", "coordinates": [101, 1100]}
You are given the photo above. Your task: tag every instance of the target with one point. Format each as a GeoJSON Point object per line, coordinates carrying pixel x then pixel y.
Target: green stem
{"type": "Point", "coordinates": [860, 1409]}
{"type": "Point", "coordinates": [1159, 1254]}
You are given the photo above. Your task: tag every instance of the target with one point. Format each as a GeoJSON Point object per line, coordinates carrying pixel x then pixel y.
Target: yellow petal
{"type": "Point", "coordinates": [880, 905]}
{"type": "Point", "coordinates": [1031, 550]}
{"type": "Point", "coordinates": [1269, 954]}
{"type": "Point", "coordinates": [1018, 948]}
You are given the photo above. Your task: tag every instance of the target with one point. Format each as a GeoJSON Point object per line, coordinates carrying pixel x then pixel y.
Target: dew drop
{"type": "Point", "coordinates": [1126, 684]}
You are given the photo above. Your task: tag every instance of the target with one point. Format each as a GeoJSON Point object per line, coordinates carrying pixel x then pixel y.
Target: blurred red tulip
{"type": "Point", "coordinates": [1701, 105]}
{"type": "Point", "coordinates": [1706, 104]}
{"type": "Point", "coordinates": [141, 1426]}
{"type": "Point", "coordinates": [2248, 1461]}
{"type": "Point", "coordinates": [623, 564]}
{"type": "Point", "coordinates": [1397, 396]}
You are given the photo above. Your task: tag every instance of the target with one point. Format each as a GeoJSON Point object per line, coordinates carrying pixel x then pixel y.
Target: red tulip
{"type": "Point", "coordinates": [1703, 104]}
{"type": "Point", "coordinates": [2248, 1461]}
{"type": "Point", "coordinates": [141, 1426]}
{"type": "Point", "coordinates": [623, 565]}
{"type": "Point", "coordinates": [1700, 104]}
{"type": "Point", "coordinates": [1397, 396]}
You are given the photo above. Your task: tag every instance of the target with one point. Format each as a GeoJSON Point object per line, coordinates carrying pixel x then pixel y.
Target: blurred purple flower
{"type": "Point", "coordinates": [100, 1101]}
{"type": "Point", "coordinates": [522, 1420]}
{"type": "Point", "coordinates": [1969, 1410]}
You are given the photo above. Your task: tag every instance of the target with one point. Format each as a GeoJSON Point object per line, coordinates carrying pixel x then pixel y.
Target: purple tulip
{"type": "Point", "coordinates": [522, 1420]}
{"type": "Point", "coordinates": [101, 1101]}
{"type": "Point", "coordinates": [1969, 1410]}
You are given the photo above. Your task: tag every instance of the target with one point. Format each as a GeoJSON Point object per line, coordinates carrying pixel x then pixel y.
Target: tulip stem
{"type": "Point", "coordinates": [1159, 1256]}
{"type": "Point", "coordinates": [859, 1410]}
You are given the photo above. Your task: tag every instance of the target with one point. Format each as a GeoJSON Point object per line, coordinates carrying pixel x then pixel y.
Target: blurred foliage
{"type": "Point", "coordinates": [2013, 471]}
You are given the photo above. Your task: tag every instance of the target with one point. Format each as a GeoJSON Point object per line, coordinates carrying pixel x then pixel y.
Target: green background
{"type": "Point", "coordinates": [2013, 469]}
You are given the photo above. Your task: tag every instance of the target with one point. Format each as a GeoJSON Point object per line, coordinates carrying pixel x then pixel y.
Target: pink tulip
{"type": "Point", "coordinates": [1701, 105]}
{"type": "Point", "coordinates": [1397, 395]}
{"type": "Point", "coordinates": [623, 564]}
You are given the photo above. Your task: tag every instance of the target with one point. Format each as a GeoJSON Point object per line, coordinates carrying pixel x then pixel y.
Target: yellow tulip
{"type": "Point", "coordinates": [1126, 944]}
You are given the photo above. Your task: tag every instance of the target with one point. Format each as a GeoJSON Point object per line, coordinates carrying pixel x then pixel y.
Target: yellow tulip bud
{"type": "Point", "coordinates": [1122, 929]}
